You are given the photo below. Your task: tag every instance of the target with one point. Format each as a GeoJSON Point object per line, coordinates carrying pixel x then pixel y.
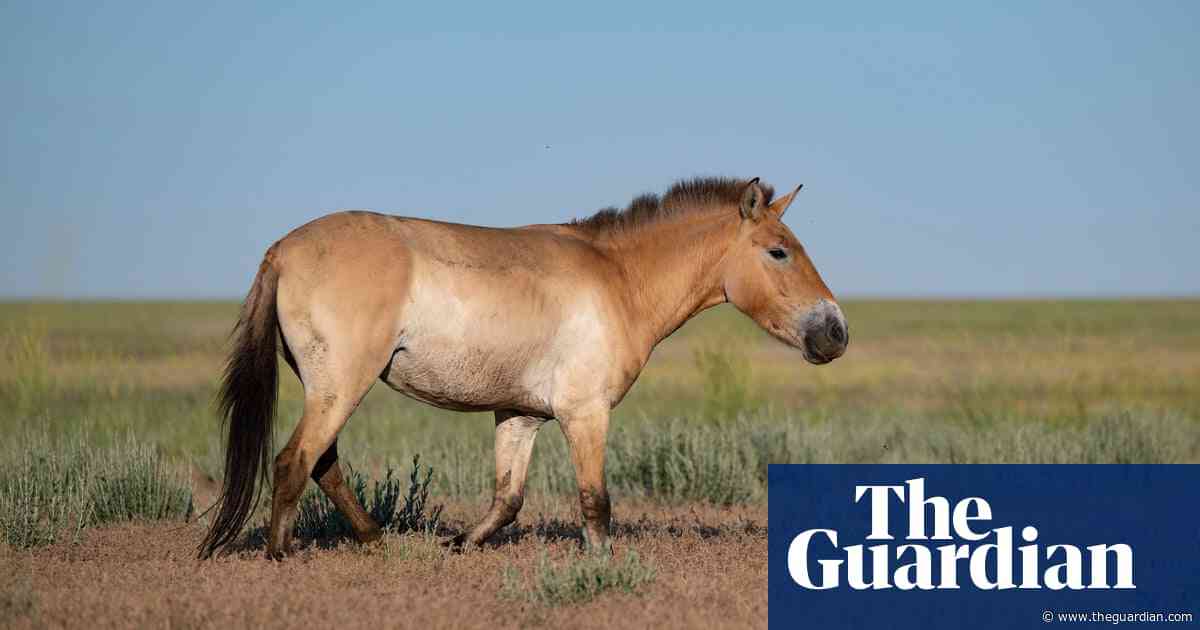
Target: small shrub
{"type": "Point", "coordinates": [681, 461]}
{"type": "Point", "coordinates": [318, 518]}
{"type": "Point", "coordinates": [581, 578]}
{"type": "Point", "coordinates": [43, 497]}
{"type": "Point", "coordinates": [137, 483]}
{"type": "Point", "coordinates": [412, 517]}
{"type": "Point", "coordinates": [53, 491]}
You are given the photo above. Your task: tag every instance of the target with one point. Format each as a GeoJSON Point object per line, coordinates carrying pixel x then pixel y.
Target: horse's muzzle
{"type": "Point", "coordinates": [826, 334]}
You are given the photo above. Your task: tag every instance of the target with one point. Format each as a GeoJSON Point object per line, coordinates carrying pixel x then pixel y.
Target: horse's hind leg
{"type": "Point", "coordinates": [324, 415]}
{"type": "Point", "coordinates": [336, 375]}
{"type": "Point", "coordinates": [328, 475]}
{"type": "Point", "coordinates": [514, 446]}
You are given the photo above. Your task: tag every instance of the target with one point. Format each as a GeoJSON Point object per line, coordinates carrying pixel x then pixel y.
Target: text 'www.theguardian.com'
{"type": "Point", "coordinates": [1116, 617]}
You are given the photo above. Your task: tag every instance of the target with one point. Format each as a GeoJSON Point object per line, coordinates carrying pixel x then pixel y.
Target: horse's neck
{"type": "Point", "coordinates": [672, 272]}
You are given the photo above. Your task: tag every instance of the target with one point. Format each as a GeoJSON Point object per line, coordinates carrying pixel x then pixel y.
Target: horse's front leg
{"type": "Point", "coordinates": [586, 430]}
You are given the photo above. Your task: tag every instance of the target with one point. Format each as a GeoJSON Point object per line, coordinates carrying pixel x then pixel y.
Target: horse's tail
{"type": "Point", "coordinates": [246, 405]}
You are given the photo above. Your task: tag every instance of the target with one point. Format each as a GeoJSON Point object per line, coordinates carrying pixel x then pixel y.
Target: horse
{"type": "Point", "coordinates": [534, 323]}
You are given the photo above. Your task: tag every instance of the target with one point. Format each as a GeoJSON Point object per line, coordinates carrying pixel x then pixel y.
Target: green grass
{"type": "Point", "coordinates": [579, 578]}
{"type": "Point", "coordinates": [923, 381]}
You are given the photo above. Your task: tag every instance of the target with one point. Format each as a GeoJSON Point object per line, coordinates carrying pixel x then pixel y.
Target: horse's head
{"type": "Point", "coordinates": [770, 278]}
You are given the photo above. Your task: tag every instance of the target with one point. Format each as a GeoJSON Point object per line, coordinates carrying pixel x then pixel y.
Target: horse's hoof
{"type": "Point", "coordinates": [457, 544]}
{"type": "Point", "coordinates": [604, 548]}
{"type": "Point", "coordinates": [371, 536]}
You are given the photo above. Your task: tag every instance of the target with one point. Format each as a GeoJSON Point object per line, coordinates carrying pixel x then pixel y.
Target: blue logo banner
{"type": "Point", "coordinates": [983, 546]}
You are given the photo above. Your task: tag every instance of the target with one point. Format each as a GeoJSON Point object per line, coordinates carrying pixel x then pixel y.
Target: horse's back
{"type": "Point", "coordinates": [468, 317]}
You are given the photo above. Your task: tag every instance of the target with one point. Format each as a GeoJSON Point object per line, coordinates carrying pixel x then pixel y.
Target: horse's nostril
{"type": "Point", "coordinates": [814, 352]}
{"type": "Point", "coordinates": [837, 332]}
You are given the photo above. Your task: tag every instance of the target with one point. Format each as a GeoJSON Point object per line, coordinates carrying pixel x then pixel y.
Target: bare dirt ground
{"type": "Point", "coordinates": [710, 562]}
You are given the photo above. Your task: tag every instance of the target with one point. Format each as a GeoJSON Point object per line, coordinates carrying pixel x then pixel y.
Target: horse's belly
{"type": "Point", "coordinates": [463, 379]}
{"type": "Point", "coordinates": [469, 341]}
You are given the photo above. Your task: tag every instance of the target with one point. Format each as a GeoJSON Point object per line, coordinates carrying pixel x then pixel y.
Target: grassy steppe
{"type": "Point", "coordinates": [923, 381]}
{"type": "Point", "coordinates": [111, 442]}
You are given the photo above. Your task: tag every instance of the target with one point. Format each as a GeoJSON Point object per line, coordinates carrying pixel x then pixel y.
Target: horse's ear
{"type": "Point", "coordinates": [779, 206]}
{"type": "Point", "coordinates": [753, 199]}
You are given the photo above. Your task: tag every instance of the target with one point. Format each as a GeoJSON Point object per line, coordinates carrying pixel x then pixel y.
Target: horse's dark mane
{"type": "Point", "coordinates": [683, 196]}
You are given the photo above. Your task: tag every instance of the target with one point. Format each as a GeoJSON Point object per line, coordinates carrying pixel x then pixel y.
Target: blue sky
{"type": "Point", "coordinates": [947, 149]}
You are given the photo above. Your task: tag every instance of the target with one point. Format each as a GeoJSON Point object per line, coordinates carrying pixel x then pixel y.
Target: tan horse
{"type": "Point", "coordinates": [534, 323]}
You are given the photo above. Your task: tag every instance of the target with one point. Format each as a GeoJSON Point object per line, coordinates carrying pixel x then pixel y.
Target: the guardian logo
{"type": "Point", "coordinates": [973, 555]}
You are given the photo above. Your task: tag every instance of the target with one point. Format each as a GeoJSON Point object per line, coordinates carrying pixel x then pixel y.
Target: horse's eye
{"type": "Point", "coordinates": [777, 254]}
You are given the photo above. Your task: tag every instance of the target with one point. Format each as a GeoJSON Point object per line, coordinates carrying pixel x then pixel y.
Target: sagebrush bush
{"type": "Point", "coordinates": [136, 482]}
{"type": "Point", "coordinates": [682, 461]}
{"type": "Point", "coordinates": [581, 577]}
{"type": "Point", "coordinates": [50, 491]}
{"type": "Point", "coordinates": [43, 497]}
